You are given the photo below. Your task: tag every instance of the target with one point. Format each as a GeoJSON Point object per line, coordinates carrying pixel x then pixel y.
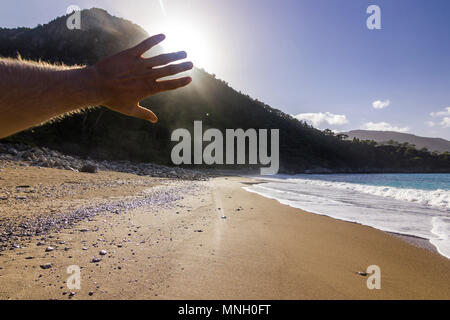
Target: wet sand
{"type": "Point", "coordinates": [202, 240]}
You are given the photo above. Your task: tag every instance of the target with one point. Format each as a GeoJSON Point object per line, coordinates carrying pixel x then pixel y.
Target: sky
{"type": "Point", "coordinates": [314, 59]}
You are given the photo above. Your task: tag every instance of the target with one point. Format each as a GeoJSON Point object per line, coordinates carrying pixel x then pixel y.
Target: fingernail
{"type": "Point", "coordinates": [189, 64]}
{"type": "Point", "coordinates": [161, 36]}
{"type": "Point", "coordinates": [154, 119]}
{"type": "Point", "coordinates": [182, 54]}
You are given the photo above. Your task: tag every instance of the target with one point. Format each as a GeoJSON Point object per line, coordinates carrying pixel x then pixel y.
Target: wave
{"type": "Point", "coordinates": [434, 198]}
{"type": "Point", "coordinates": [414, 212]}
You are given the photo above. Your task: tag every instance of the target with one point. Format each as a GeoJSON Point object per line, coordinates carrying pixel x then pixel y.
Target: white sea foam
{"type": "Point", "coordinates": [434, 198]}
{"type": "Point", "coordinates": [407, 211]}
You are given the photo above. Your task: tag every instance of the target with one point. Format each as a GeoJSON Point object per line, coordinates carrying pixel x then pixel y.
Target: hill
{"type": "Point", "coordinates": [103, 134]}
{"type": "Point", "coordinates": [388, 137]}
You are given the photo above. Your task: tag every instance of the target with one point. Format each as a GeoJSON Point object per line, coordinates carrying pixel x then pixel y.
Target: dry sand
{"type": "Point", "coordinates": [214, 241]}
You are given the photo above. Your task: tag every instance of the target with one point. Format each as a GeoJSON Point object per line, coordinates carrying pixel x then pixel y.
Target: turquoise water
{"type": "Point", "coordinates": [413, 181]}
{"type": "Point", "coordinates": [410, 204]}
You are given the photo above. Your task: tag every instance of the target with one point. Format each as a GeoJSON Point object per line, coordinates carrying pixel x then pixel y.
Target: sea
{"type": "Point", "coordinates": [415, 205]}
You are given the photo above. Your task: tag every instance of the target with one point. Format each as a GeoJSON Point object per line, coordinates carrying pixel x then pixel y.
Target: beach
{"type": "Point", "coordinates": [140, 237]}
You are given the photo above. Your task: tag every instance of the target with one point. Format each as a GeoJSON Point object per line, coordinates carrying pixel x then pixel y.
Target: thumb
{"type": "Point", "coordinates": [143, 113]}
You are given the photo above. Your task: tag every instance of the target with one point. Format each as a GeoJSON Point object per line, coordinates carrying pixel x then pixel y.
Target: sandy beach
{"type": "Point", "coordinates": [156, 238]}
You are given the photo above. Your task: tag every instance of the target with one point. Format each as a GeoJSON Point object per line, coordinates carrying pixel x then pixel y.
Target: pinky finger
{"type": "Point", "coordinates": [173, 84]}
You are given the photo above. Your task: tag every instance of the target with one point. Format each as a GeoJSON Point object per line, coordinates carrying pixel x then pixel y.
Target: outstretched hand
{"type": "Point", "coordinates": [127, 78]}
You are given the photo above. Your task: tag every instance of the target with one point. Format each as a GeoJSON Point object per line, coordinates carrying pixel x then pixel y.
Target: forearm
{"type": "Point", "coordinates": [32, 93]}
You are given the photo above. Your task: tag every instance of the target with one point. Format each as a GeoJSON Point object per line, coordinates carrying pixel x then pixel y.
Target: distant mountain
{"type": "Point", "coordinates": [104, 134]}
{"type": "Point", "coordinates": [384, 137]}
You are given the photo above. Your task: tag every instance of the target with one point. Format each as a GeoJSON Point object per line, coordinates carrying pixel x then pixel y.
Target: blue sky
{"type": "Point", "coordinates": [313, 58]}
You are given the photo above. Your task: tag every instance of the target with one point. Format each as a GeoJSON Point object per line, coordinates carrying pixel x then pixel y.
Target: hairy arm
{"type": "Point", "coordinates": [32, 93]}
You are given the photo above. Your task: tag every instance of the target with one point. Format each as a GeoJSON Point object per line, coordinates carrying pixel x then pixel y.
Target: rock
{"type": "Point", "coordinates": [103, 253]}
{"type": "Point", "coordinates": [40, 243]}
{"type": "Point", "coordinates": [363, 274]}
{"type": "Point", "coordinates": [72, 294]}
{"type": "Point", "coordinates": [46, 266]}
{"type": "Point", "coordinates": [91, 293]}
{"type": "Point", "coordinates": [223, 217]}
{"type": "Point", "coordinates": [29, 258]}
{"type": "Point", "coordinates": [95, 260]}
{"type": "Point", "coordinates": [89, 168]}
{"type": "Point", "coordinates": [49, 249]}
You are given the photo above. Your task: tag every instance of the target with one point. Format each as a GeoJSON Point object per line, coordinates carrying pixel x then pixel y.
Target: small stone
{"type": "Point", "coordinates": [198, 230]}
{"type": "Point", "coordinates": [95, 260]}
{"type": "Point", "coordinates": [46, 266]}
{"type": "Point", "coordinates": [49, 249]}
{"type": "Point", "coordinates": [72, 294]}
{"type": "Point", "coordinates": [89, 168]}
{"type": "Point", "coordinates": [91, 293]}
{"type": "Point", "coordinates": [40, 243]}
{"type": "Point", "coordinates": [363, 274]}
{"type": "Point", "coordinates": [103, 253]}
{"type": "Point", "coordinates": [29, 258]}
{"type": "Point", "coordinates": [84, 230]}
{"type": "Point", "coordinates": [223, 217]}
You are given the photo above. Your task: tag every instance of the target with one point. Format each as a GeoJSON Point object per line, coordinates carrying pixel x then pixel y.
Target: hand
{"type": "Point", "coordinates": [127, 78]}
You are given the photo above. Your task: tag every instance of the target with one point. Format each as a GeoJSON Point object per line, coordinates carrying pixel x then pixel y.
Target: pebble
{"type": "Point", "coordinates": [46, 266]}
{"type": "Point", "coordinates": [95, 260]}
{"type": "Point", "coordinates": [103, 253]}
{"type": "Point", "coordinates": [49, 249]}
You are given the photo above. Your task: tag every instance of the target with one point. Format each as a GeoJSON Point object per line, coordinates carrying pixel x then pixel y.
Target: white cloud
{"type": "Point", "coordinates": [445, 123]}
{"type": "Point", "coordinates": [444, 113]}
{"type": "Point", "coordinates": [431, 124]}
{"type": "Point", "coordinates": [319, 118]}
{"type": "Point", "coordinates": [383, 126]}
{"type": "Point", "coordinates": [381, 104]}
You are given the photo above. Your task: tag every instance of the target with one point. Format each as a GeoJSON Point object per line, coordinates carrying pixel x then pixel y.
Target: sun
{"type": "Point", "coordinates": [187, 37]}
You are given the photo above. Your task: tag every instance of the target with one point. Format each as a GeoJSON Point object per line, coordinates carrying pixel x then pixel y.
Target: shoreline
{"type": "Point", "coordinates": [419, 242]}
{"type": "Point", "coordinates": [217, 241]}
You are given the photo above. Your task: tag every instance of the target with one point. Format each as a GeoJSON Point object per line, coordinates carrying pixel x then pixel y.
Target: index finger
{"type": "Point", "coordinates": [146, 45]}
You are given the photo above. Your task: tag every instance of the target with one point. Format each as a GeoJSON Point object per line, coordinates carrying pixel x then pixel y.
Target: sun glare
{"type": "Point", "coordinates": [187, 38]}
